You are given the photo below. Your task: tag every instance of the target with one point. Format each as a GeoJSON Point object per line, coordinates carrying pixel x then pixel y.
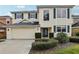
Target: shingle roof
{"type": "Point", "coordinates": [75, 16]}
{"type": "Point", "coordinates": [76, 24]}
{"type": "Point", "coordinates": [4, 17]}
{"type": "Point", "coordinates": [27, 23]}
{"type": "Point", "coordinates": [24, 11]}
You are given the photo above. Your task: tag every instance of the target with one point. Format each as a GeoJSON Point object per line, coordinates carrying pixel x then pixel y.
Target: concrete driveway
{"type": "Point", "coordinates": [15, 46]}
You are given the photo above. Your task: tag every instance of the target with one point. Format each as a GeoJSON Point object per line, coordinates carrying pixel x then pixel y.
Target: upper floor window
{"type": "Point", "coordinates": [32, 15]}
{"type": "Point", "coordinates": [19, 16]}
{"type": "Point", "coordinates": [46, 15]}
{"type": "Point", "coordinates": [61, 13]}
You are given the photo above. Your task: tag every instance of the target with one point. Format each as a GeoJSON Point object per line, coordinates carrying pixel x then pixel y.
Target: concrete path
{"type": "Point", "coordinates": [15, 46]}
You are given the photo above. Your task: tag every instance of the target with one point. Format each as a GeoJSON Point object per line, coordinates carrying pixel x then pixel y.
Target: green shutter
{"type": "Point", "coordinates": [54, 28]}
{"type": "Point", "coordinates": [36, 15]}
{"type": "Point", "coordinates": [68, 13]}
{"type": "Point", "coordinates": [68, 27]}
{"type": "Point", "coordinates": [54, 16]}
{"type": "Point", "coordinates": [28, 15]}
{"type": "Point", "coordinates": [22, 15]}
{"type": "Point", "coordinates": [15, 15]}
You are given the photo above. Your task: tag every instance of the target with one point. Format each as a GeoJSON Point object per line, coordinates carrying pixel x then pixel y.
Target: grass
{"type": "Point", "coordinates": [70, 50]}
{"type": "Point", "coordinates": [73, 49]}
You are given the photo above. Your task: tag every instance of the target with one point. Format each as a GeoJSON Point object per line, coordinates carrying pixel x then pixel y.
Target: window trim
{"type": "Point", "coordinates": [20, 17]}
{"type": "Point", "coordinates": [34, 14]}
{"type": "Point", "coordinates": [68, 28]}
{"type": "Point", "coordinates": [48, 16]}
{"type": "Point", "coordinates": [61, 13]}
{"type": "Point", "coordinates": [68, 13]}
{"type": "Point", "coordinates": [61, 28]}
{"type": "Point", "coordinates": [44, 33]}
{"type": "Point", "coordinates": [54, 13]}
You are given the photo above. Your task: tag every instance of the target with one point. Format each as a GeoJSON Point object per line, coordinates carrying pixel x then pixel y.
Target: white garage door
{"type": "Point", "coordinates": [23, 33]}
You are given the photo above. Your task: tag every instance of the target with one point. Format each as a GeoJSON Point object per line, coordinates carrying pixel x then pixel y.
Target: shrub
{"type": "Point", "coordinates": [74, 39]}
{"type": "Point", "coordinates": [41, 40]}
{"type": "Point", "coordinates": [51, 35]}
{"type": "Point", "coordinates": [42, 45]}
{"type": "Point", "coordinates": [62, 38]}
{"type": "Point", "coordinates": [37, 35]}
{"type": "Point", "coordinates": [77, 34]}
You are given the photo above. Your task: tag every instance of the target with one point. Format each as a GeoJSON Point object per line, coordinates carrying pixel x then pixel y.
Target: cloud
{"type": "Point", "coordinates": [20, 7]}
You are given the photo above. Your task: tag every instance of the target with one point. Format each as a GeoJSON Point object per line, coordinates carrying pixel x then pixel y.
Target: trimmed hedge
{"type": "Point", "coordinates": [51, 35]}
{"type": "Point", "coordinates": [74, 39]}
{"type": "Point", "coordinates": [41, 40]}
{"type": "Point", "coordinates": [42, 45]}
{"type": "Point", "coordinates": [62, 37]}
{"type": "Point", "coordinates": [37, 35]}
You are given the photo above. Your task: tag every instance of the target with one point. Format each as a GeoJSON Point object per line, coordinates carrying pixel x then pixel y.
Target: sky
{"type": "Point", "coordinates": [6, 9]}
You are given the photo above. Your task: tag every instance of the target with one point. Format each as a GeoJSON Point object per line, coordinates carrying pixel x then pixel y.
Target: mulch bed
{"type": "Point", "coordinates": [59, 46]}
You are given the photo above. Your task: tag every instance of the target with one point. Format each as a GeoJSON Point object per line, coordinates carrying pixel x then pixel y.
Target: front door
{"type": "Point", "coordinates": [44, 32]}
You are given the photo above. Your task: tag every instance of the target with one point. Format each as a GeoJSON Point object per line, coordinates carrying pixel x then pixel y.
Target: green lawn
{"type": "Point", "coordinates": [70, 50]}
{"type": "Point", "coordinates": [73, 49]}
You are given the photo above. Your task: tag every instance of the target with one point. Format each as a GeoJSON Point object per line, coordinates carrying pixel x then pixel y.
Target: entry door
{"type": "Point", "coordinates": [44, 32]}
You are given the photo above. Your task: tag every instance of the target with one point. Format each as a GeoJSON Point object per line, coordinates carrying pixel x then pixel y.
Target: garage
{"type": "Point", "coordinates": [22, 30]}
{"type": "Point", "coordinates": [23, 33]}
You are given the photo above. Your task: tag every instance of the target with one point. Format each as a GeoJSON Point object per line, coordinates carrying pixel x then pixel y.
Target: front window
{"type": "Point", "coordinates": [58, 29]}
{"type": "Point", "coordinates": [46, 15]}
{"type": "Point", "coordinates": [19, 16]}
{"type": "Point", "coordinates": [61, 12]}
{"type": "Point", "coordinates": [61, 28]}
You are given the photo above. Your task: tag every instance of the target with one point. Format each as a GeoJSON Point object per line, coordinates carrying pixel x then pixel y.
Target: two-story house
{"type": "Point", "coordinates": [48, 19]}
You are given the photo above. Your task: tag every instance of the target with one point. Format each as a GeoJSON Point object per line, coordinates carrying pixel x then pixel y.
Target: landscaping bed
{"type": "Point", "coordinates": [65, 45]}
{"type": "Point", "coordinates": [44, 44]}
{"type": "Point", "coordinates": [74, 39]}
{"type": "Point", "coordinates": [56, 50]}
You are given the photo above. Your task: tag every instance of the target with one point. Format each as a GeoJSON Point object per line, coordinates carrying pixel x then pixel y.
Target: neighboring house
{"type": "Point", "coordinates": [75, 26]}
{"type": "Point", "coordinates": [75, 18]}
{"type": "Point", "coordinates": [4, 20]}
{"type": "Point", "coordinates": [47, 20]}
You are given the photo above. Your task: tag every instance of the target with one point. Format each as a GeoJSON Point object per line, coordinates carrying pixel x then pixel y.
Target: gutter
{"type": "Point", "coordinates": [18, 26]}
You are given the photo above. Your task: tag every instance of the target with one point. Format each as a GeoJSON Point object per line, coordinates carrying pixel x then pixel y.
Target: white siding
{"type": "Point", "coordinates": [8, 33]}
{"type": "Point", "coordinates": [52, 21]}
